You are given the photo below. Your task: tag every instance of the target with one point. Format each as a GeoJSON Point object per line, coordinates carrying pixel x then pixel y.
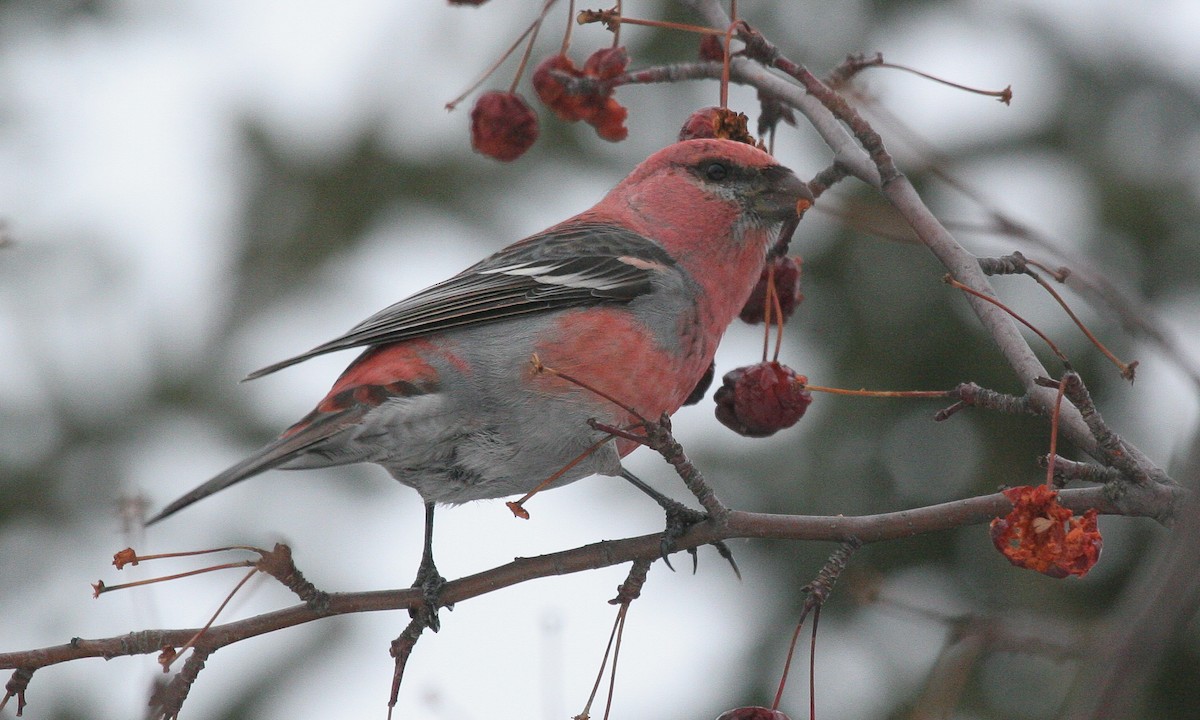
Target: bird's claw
{"type": "Point", "coordinates": [680, 519]}
{"type": "Point", "coordinates": [431, 583]}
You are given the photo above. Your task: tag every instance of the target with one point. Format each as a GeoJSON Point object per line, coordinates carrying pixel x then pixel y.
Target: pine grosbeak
{"type": "Point", "coordinates": [631, 297]}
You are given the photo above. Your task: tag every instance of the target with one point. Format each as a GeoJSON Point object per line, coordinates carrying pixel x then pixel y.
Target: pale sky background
{"type": "Point", "coordinates": [121, 183]}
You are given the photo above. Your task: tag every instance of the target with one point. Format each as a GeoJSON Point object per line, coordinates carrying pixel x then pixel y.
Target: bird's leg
{"type": "Point", "coordinates": [429, 580]}
{"type": "Point", "coordinates": [680, 518]}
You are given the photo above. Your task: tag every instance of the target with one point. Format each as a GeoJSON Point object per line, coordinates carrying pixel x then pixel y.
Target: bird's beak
{"type": "Point", "coordinates": [781, 195]}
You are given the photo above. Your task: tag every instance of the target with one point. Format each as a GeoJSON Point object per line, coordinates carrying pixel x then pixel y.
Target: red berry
{"type": "Point", "coordinates": [1040, 534]}
{"type": "Point", "coordinates": [502, 125]}
{"type": "Point", "coordinates": [596, 107]}
{"type": "Point", "coordinates": [716, 122]}
{"type": "Point", "coordinates": [787, 287]}
{"type": "Point", "coordinates": [752, 713]}
{"type": "Point", "coordinates": [551, 89]}
{"type": "Point", "coordinates": [760, 400]}
{"type": "Point", "coordinates": [606, 63]}
{"type": "Point", "coordinates": [609, 121]}
{"type": "Point", "coordinates": [700, 124]}
{"type": "Point", "coordinates": [712, 48]}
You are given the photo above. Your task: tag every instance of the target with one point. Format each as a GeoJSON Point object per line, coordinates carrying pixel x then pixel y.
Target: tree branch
{"type": "Point", "coordinates": [861, 162]}
{"type": "Point", "coordinates": [1151, 500]}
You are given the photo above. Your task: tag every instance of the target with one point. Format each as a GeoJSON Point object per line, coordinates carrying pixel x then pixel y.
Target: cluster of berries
{"type": "Point", "coordinates": [503, 126]}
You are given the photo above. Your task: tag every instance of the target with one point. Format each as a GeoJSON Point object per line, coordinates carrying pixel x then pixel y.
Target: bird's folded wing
{"type": "Point", "coordinates": [584, 264]}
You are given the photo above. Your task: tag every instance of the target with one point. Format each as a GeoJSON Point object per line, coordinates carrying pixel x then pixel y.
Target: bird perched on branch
{"type": "Point", "coordinates": [630, 297]}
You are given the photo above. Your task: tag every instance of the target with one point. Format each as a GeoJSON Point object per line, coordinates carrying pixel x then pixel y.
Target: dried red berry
{"type": "Point", "coordinates": [609, 121]}
{"type": "Point", "coordinates": [606, 63]}
{"type": "Point", "coordinates": [597, 108]}
{"type": "Point", "coordinates": [551, 89]}
{"type": "Point", "coordinates": [787, 287]}
{"type": "Point", "coordinates": [752, 713]}
{"type": "Point", "coordinates": [712, 48]}
{"type": "Point", "coordinates": [716, 122]}
{"type": "Point", "coordinates": [1040, 534]}
{"type": "Point", "coordinates": [700, 124]}
{"type": "Point", "coordinates": [503, 126]}
{"type": "Point", "coordinates": [760, 400]}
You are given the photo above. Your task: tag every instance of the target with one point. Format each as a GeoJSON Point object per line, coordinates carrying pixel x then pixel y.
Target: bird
{"type": "Point", "coordinates": [631, 297]}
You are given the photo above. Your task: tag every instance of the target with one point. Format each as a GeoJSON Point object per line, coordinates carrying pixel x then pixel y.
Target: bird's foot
{"type": "Point", "coordinates": [431, 584]}
{"type": "Point", "coordinates": [680, 519]}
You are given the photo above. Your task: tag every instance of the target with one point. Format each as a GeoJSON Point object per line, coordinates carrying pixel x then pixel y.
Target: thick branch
{"type": "Point", "coordinates": [1151, 500]}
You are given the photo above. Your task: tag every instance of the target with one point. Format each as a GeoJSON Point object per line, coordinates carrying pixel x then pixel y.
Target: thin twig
{"type": "Point", "coordinates": [167, 702]}
{"type": "Point", "coordinates": [1067, 470]}
{"type": "Point", "coordinates": [1017, 264]}
{"type": "Point", "coordinates": [167, 660]}
{"type": "Point", "coordinates": [1062, 386]}
{"type": "Point", "coordinates": [817, 592]}
{"type": "Point", "coordinates": [401, 649]}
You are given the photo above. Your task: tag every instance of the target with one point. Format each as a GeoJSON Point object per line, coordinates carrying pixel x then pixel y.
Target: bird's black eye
{"type": "Point", "coordinates": [716, 171]}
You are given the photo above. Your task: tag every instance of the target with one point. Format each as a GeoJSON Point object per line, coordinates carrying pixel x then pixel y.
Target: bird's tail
{"type": "Point", "coordinates": [295, 442]}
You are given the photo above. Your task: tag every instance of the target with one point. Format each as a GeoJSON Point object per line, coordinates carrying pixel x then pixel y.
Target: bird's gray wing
{"type": "Point", "coordinates": [583, 264]}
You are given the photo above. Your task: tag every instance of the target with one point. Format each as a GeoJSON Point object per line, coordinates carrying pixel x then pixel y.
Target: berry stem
{"type": "Point", "coordinates": [862, 392]}
{"type": "Point", "coordinates": [503, 56]}
{"type": "Point", "coordinates": [518, 507]}
{"type": "Point", "coordinates": [129, 556]}
{"type": "Point", "coordinates": [101, 588]}
{"type": "Point", "coordinates": [1127, 370]}
{"type": "Point", "coordinates": [768, 310]}
{"type": "Point", "coordinates": [566, 43]}
{"type": "Point", "coordinates": [537, 26]}
{"type": "Point", "coordinates": [987, 298]}
{"type": "Point", "coordinates": [540, 368]}
{"type": "Point", "coordinates": [787, 664]}
{"type": "Point", "coordinates": [1018, 264]}
{"type": "Point", "coordinates": [192, 641]}
{"type": "Point", "coordinates": [1004, 96]}
{"type": "Point", "coordinates": [812, 667]}
{"type": "Point", "coordinates": [773, 294]}
{"type": "Point", "coordinates": [609, 17]}
{"type": "Point", "coordinates": [733, 23]}
{"type": "Point", "coordinates": [616, 31]}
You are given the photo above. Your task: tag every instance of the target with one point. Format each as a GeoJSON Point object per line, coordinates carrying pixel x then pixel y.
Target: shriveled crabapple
{"type": "Point", "coordinates": [1042, 535]}
{"type": "Point", "coordinates": [606, 63]}
{"type": "Point", "coordinates": [503, 126]}
{"type": "Point", "coordinates": [717, 122]}
{"type": "Point", "coordinates": [598, 107]}
{"type": "Point", "coordinates": [762, 399]}
{"type": "Point", "coordinates": [712, 48]}
{"type": "Point", "coordinates": [552, 91]}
